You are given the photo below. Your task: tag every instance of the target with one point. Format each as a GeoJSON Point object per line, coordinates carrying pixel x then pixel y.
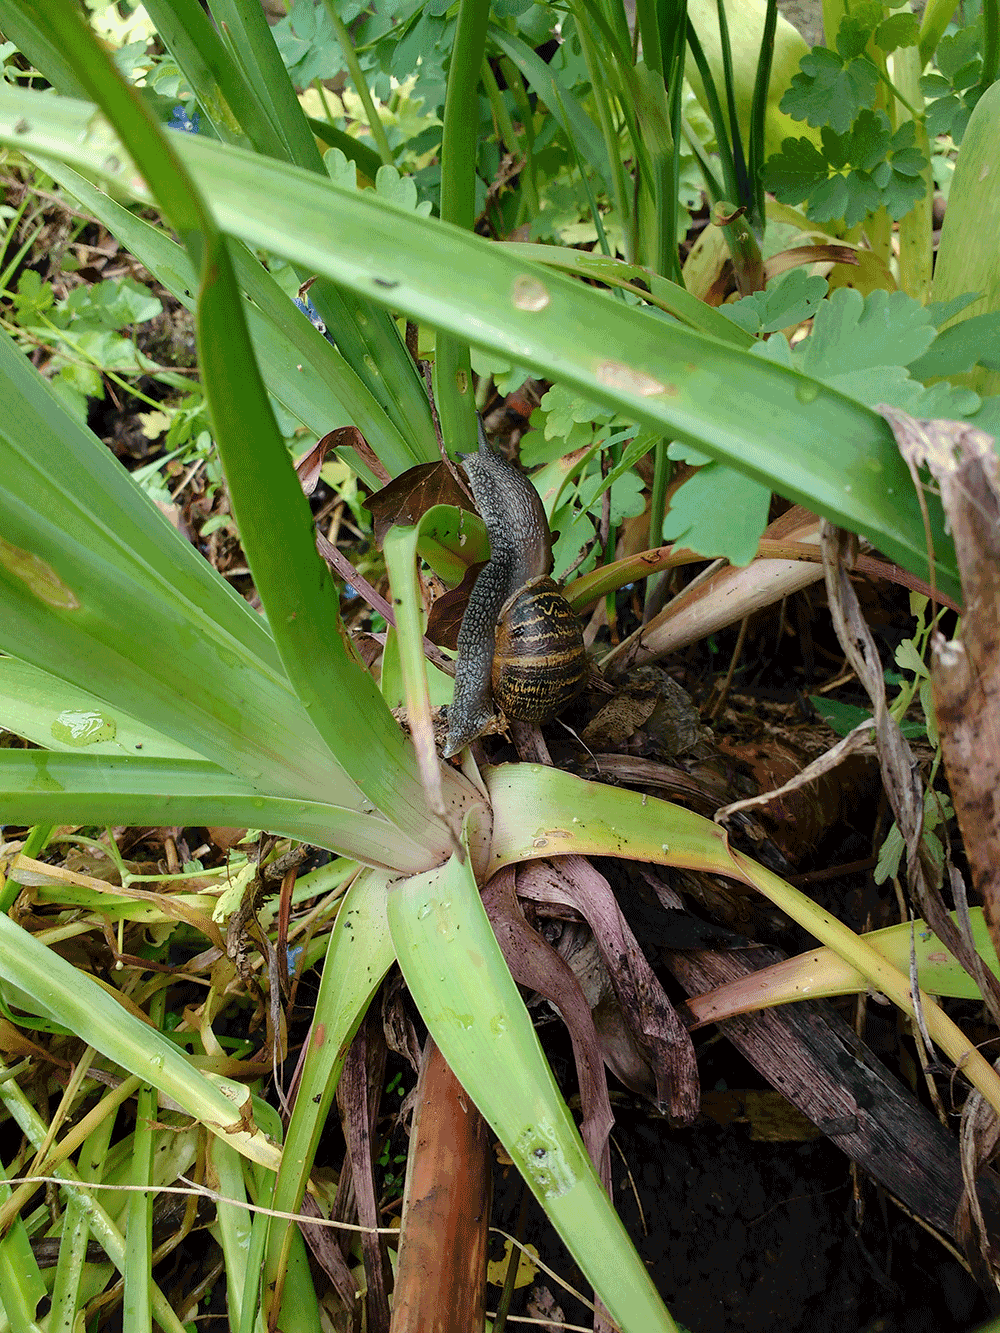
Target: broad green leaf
{"type": "Point", "coordinates": [790, 300]}
{"type": "Point", "coordinates": [294, 584]}
{"type": "Point", "coordinates": [884, 171]}
{"type": "Point", "coordinates": [831, 90]}
{"type": "Point", "coordinates": [861, 346]}
{"type": "Point", "coordinates": [763, 419]}
{"type": "Point", "coordinates": [973, 342]}
{"type": "Point", "coordinates": [48, 712]}
{"type": "Point", "coordinates": [457, 975]}
{"type": "Point", "coordinates": [120, 605]}
{"type": "Point", "coordinates": [663, 293]}
{"type": "Point", "coordinates": [39, 786]}
{"type": "Point", "coordinates": [718, 512]}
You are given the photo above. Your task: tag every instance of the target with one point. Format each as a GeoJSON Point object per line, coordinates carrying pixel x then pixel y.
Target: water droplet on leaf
{"type": "Point", "coordinates": [529, 294]}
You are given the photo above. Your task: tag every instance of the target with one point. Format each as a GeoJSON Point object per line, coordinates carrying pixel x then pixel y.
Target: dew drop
{"type": "Point", "coordinates": [529, 294]}
{"type": "Point", "coordinates": [807, 392]}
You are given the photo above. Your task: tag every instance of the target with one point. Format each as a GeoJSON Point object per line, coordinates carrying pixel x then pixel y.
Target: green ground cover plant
{"type": "Point", "coordinates": [199, 711]}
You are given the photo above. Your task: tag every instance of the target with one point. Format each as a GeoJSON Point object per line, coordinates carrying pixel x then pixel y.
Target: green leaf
{"type": "Point", "coordinates": [71, 997]}
{"type": "Point", "coordinates": [896, 31]}
{"type": "Point", "coordinates": [957, 51]}
{"type": "Point", "coordinates": [830, 90]}
{"type": "Point", "coordinates": [48, 712]}
{"type": "Point", "coordinates": [358, 955]}
{"type": "Point", "coordinates": [856, 28]}
{"type": "Point", "coordinates": [751, 413]}
{"type": "Point", "coordinates": [795, 172]}
{"type": "Point", "coordinates": [564, 105]}
{"type": "Point", "coordinates": [973, 342]}
{"type": "Point", "coordinates": [863, 345]}
{"type": "Point", "coordinates": [718, 512]}
{"type": "Point", "coordinates": [787, 301]}
{"type": "Point", "coordinates": [954, 90]}
{"type": "Point", "coordinates": [92, 788]}
{"type": "Point", "coordinates": [455, 971]}
{"type": "Point", "coordinates": [850, 331]}
{"type": "Point", "coordinates": [872, 168]}
{"type": "Point", "coordinates": [839, 717]}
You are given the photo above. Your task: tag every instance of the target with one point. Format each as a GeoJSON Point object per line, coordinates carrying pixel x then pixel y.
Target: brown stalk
{"type": "Point", "coordinates": [441, 1277]}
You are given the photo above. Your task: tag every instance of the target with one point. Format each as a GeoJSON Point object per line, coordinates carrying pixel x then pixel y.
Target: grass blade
{"type": "Point", "coordinates": [74, 999]}
{"type": "Point", "coordinates": [38, 786]}
{"type": "Point", "coordinates": [761, 418]}
{"type": "Point", "coordinates": [359, 954]}
{"type": "Point", "coordinates": [456, 973]}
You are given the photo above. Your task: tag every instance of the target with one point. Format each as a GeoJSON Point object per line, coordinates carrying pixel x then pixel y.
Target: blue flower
{"type": "Point", "coordinates": [180, 120]}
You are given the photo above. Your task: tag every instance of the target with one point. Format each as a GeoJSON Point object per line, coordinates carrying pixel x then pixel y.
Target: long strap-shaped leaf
{"type": "Point", "coordinates": [802, 439]}
{"type": "Point", "coordinates": [596, 820]}
{"type": "Point", "coordinates": [453, 966]}
{"type": "Point", "coordinates": [40, 786]}
{"type": "Point", "coordinates": [271, 510]}
{"type": "Point", "coordinates": [97, 587]}
{"type": "Point", "coordinates": [74, 999]}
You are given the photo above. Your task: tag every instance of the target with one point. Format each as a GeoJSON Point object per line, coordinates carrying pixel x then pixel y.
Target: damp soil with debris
{"type": "Point", "coordinates": [743, 1232]}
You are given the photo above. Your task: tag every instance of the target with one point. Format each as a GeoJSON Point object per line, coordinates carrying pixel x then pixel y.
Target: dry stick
{"type": "Point", "coordinates": [716, 711]}
{"type": "Point", "coordinates": [341, 565]}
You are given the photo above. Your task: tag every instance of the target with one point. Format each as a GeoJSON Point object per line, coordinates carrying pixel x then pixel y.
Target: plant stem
{"type": "Point", "coordinates": [360, 84]}
{"type": "Point", "coordinates": [916, 228]}
{"type": "Point", "coordinates": [878, 971]}
{"type": "Point", "coordinates": [459, 141]}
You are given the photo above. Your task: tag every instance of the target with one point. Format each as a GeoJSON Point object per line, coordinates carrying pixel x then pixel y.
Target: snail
{"type": "Point", "coordinates": [520, 648]}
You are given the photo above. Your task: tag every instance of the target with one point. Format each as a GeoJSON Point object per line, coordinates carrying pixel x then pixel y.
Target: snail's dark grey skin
{"type": "Point", "coordinates": [542, 662]}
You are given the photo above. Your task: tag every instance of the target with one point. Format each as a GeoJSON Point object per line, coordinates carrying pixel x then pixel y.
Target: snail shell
{"type": "Point", "coordinates": [539, 659]}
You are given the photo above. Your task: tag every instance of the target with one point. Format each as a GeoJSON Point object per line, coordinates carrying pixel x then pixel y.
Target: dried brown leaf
{"type": "Point", "coordinates": [408, 497]}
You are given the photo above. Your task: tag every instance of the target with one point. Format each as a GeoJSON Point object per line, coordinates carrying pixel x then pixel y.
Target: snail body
{"type": "Point", "coordinates": [520, 648]}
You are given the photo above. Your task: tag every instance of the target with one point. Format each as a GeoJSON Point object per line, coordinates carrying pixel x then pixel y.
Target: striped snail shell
{"type": "Point", "coordinates": [539, 661]}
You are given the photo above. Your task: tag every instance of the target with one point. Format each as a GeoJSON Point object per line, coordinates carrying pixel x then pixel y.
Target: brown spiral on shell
{"type": "Point", "coordinates": [539, 660]}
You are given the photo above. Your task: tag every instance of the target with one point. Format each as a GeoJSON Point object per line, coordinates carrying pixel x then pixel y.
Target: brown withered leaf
{"type": "Point", "coordinates": [405, 499]}
{"type": "Point", "coordinates": [965, 672]}
{"type": "Point", "coordinates": [534, 963]}
{"type": "Point", "coordinates": [344, 437]}
{"type": "Point", "coordinates": [655, 1026]}
{"type": "Point", "coordinates": [225, 838]}
{"type": "Point", "coordinates": [809, 254]}
{"type": "Point", "coordinates": [444, 619]}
